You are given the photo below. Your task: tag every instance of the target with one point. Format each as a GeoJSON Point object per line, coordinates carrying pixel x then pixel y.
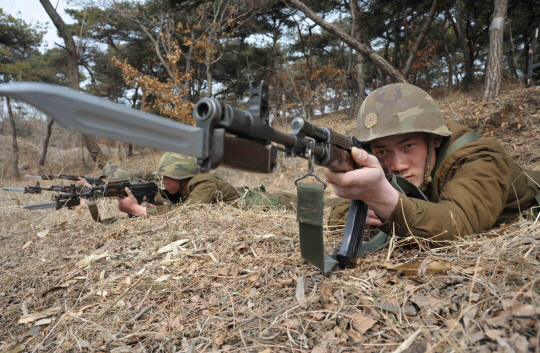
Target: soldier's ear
{"type": "Point", "coordinates": [437, 141]}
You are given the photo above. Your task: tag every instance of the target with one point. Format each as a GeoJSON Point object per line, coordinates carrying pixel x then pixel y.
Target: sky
{"type": "Point", "coordinates": [31, 12]}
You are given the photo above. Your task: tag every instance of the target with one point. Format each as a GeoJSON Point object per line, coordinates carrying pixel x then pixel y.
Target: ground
{"type": "Point", "coordinates": [216, 278]}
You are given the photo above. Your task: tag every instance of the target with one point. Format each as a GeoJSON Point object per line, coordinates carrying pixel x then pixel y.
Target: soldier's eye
{"type": "Point", "coordinates": [381, 152]}
{"type": "Point", "coordinates": [409, 145]}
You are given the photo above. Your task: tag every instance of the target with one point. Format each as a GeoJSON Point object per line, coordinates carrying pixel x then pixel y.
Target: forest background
{"type": "Point", "coordinates": [162, 56]}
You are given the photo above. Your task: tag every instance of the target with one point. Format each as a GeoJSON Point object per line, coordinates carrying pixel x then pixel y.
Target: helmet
{"type": "Point", "coordinates": [399, 108]}
{"type": "Point", "coordinates": [105, 171]}
{"type": "Point", "coordinates": [177, 166]}
{"type": "Point", "coordinates": [116, 173]}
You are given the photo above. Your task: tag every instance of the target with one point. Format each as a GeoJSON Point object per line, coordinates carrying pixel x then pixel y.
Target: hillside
{"type": "Point", "coordinates": [216, 278]}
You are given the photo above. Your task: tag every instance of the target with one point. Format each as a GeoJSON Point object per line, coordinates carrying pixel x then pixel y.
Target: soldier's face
{"type": "Point", "coordinates": [405, 154]}
{"type": "Point", "coordinates": [172, 185]}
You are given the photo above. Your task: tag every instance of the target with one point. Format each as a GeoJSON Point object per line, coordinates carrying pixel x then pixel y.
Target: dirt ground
{"type": "Point", "coordinates": [216, 278]}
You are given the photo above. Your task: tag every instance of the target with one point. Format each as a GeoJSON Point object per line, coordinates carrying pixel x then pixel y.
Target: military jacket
{"type": "Point", "coordinates": [475, 188]}
{"type": "Point", "coordinates": [202, 188]}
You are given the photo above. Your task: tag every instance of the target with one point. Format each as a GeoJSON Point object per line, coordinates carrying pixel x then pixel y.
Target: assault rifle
{"type": "Point", "coordinates": [37, 189]}
{"type": "Point", "coordinates": [72, 197]}
{"type": "Point", "coordinates": [250, 147]}
{"type": "Point", "coordinates": [72, 177]}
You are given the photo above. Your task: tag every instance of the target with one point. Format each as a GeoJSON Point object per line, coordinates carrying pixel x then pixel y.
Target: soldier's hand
{"type": "Point", "coordinates": [129, 205]}
{"type": "Point", "coordinates": [368, 184]}
{"type": "Point", "coordinates": [372, 219]}
{"type": "Point", "coordinates": [83, 182]}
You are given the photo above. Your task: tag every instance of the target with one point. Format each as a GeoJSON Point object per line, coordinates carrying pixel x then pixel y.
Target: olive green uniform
{"type": "Point", "coordinates": [475, 188]}
{"type": "Point", "coordinates": [207, 189]}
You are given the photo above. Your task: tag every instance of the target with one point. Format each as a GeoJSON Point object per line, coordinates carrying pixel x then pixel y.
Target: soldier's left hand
{"type": "Point", "coordinates": [83, 182]}
{"type": "Point", "coordinates": [129, 204]}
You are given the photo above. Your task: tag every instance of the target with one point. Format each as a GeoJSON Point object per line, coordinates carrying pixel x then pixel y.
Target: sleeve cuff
{"type": "Point", "coordinates": [402, 215]}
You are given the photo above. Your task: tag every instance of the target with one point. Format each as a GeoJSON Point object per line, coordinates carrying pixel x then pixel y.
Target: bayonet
{"type": "Point", "coordinates": [91, 115]}
{"type": "Point", "coordinates": [39, 206]}
{"type": "Point", "coordinates": [12, 189]}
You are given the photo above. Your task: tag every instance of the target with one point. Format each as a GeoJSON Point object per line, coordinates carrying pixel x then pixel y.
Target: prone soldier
{"type": "Point", "coordinates": [184, 185]}
{"type": "Point", "coordinates": [453, 183]}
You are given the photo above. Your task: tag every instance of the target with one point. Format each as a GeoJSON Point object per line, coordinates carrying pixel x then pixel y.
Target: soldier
{"type": "Point", "coordinates": [114, 173]}
{"type": "Point", "coordinates": [452, 182]}
{"type": "Point", "coordinates": [184, 185]}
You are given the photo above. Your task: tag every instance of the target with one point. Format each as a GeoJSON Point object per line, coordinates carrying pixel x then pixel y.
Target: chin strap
{"type": "Point", "coordinates": [427, 168]}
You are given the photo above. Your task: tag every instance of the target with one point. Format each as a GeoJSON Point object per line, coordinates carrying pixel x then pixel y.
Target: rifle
{"type": "Point", "coordinates": [73, 196]}
{"type": "Point", "coordinates": [250, 148]}
{"type": "Point", "coordinates": [72, 177]}
{"type": "Point", "coordinates": [37, 189]}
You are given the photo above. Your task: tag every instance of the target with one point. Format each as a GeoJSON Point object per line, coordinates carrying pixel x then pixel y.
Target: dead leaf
{"type": "Point", "coordinates": [292, 324]}
{"type": "Point", "coordinates": [319, 349]}
{"type": "Point", "coordinates": [326, 290]}
{"type": "Point", "coordinates": [519, 342]}
{"type": "Point", "coordinates": [43, 234]}
{"type": "Point", "coordinates": [43, 322]}
{"type": "Point", "coordinates": [218, 340]}
{"type": "Point", "coordinates": [412, 268]}
{"type": "Point", "coordinates": [420, 347]}
{"type": "Point", "coordinates": [27, 244]}
{"type": "Point", "coordinates": [24, 308]}
{"type": "Point", "coordinates": [501, 320]}
{"type": "Point", "coordinates": [40, 315]}
{"type": "Point", "coordinates": [315, 317]}
{"type": "Point", "coordinates": [162, 278]}
{"type": "Point", "coordinates": [170, 247]}
{"type": "Point", "coordinates": [92, 258]}
{"type": "Point", "coordinates": [362, 323]}
{"type": "Point", "coordinates": [525, 311]}
{"type": "Point", "coordinates": [475, 337]}
{"type": "Point", "coordinates": [433, 301]}
{"type": "Point", "coordinates": [450, 323]}
{"type": "Point", "coordinates": [408, 310]}
{"type": "Point", "coordinates": [355, 336]}
{"type": "Point", "coordinates": [421, 300]}
{"type": "Point", "coordinates": [286, 282]}
{"type": "Point", "coordinates": [492, 334]}
{"type": "Point", "coordinates": [300, 290]}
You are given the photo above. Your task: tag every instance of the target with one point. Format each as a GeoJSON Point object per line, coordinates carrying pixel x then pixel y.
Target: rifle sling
{"type": "Point", "coordinates": [94, 211]}
{"type": "Point", "coordinates": [309, 213]}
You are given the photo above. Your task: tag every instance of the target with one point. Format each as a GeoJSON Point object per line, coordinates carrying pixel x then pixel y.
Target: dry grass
{"type": "Point", "coordinates": [236, 282]}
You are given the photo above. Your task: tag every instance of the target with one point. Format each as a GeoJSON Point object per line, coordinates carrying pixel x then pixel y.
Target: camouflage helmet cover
{"type": "Point", "coordinates": [177, 166]}
{"type": "Point", "coordinates": [105, 171]}
{"type": "Point", "coordinates": [399, 108]}
{"type": "Point", "coordinates": [116, 173]}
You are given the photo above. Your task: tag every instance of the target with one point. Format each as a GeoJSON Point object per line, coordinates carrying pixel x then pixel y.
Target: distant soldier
{"type": "Point", "coordinates": [450, 183]}
{"type": "Point", "coordinates": [115, 173]}
{"type": "Point", "coordinates": [184, 185]}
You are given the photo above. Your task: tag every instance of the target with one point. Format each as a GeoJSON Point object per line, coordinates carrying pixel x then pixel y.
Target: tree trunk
{"type": "Point", "coordinates": [397, 45]}
{"type": "Point", "coordinates": [46, 143]}
{"type": "Point", "coordinates": [420, 38]}
{"type": "Point", "coordinates": [530, 66]}
{"type": "Point", "coordinates": [494, 60]}
{"type": "Point", "coordinates": [512, 55]}
{"type": "Point", "coordinates": [361, 48]}
{"type": "Point", "coordinates": [469, 73]}
{"type": "Point", "coordinates": [73, 73]}
{"type": "Point", "coordinates": [16, 173]}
